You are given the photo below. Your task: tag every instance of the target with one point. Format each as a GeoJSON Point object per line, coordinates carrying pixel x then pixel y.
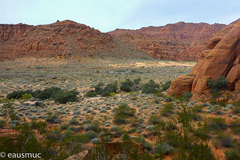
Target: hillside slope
{"type": "Point", "coordinates": [61, 40]}
{"type": "Point", "coordinates": [180, 41]}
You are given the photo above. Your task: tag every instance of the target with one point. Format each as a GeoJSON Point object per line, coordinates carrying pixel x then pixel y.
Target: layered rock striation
{"type": "Point", "coordinates": [179, 41]}
{"type": "Point", "coordinates": [221, 59]}
{"type": "Point", "coordinates": [62, 39]}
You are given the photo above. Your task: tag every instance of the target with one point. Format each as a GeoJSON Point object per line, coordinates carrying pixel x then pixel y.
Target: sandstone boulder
{"type": "Point", "coordinates": [233, 76]}
{"type": "Point", "coordinates": [214, 41]}
{"type": "Point", "coordinates": [181, 84]}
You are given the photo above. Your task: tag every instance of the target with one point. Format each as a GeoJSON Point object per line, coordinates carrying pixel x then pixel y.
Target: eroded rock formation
{"type": "Point", "coordinates": [222, 60]}
{"type": "Point", "coordinates": [62, 39]}
{"type": "Point", "coordinates": [179, 41]}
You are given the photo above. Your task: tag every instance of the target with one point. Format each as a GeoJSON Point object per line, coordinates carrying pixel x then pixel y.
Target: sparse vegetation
{"type": "Point", "coordinates": [150, 87]}
{"type": "Point", "coordinates": [221, 83]}
{"type": "Point", "coordinates": [166, 85]}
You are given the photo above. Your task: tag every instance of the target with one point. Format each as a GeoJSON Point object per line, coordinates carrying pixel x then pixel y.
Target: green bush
{"type": "Point", "coordinates": [232, 154]}
{"type": "Point", "coordinates": [122, 113]}
{"type": "Point", "coordinates": [167, 109]}
{"type": "Point", "coordinates": [136, 81]}
{"type": "Point", "coordinates": [64, 97]}
{"type": "Point", "coordinates": [224, 140]}
{"type": "Point", "coordinates": [98, 87]}
{"type": "Point", "coordinates": [187, 95]}
{"type": "Point", "coordinates": [169, 99]}
{"type": "Point", "coordinates": [120, 119]}
{"type": "Point", "coordinates": [126, 86]}
{"type": "Point", "coordinates": [164, 148]}
{"type": "Point", "coordinates": [235, 127]}
{"type": "Point", "coordinates": [91, 94]}
{"type": "Point", "coordinates": [26, 96]}
{"type": "Point", "coordinates": [166, 85]}
{"type": "Point", "coordinates": [93, 126]}
{"type": "Point", "coordinates": [2, 123]}
{"type": "Point", "coordinates": [73, 121]}
{"type": "Point", "coordinates": [217, 124]}
{"type": "Point", "coordinates": [150, 87]}
{"type": "Point", "coordinates": [64, 126]}
{"type": "Point", "coordinates": [217, 85]}
{"type": "Point", "coordinates": [111, 87]}
{"type": "Point", "coordinates": [18, 94]}
{"type": "Point", "coordinates": [154, 119]}
{"type": "Point", "coordinates": [90, 134]}
{"type": "Point", "coordinates": [81, 138]}
{"type": "Point", "coordinates": [48, 93]}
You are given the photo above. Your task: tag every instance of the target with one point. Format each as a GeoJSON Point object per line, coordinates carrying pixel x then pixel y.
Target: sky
{"type": "Point", "coordinates": [108, 15]}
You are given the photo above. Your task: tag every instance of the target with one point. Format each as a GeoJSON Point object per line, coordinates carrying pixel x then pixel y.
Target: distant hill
{"type": "Point", "coordinates": [66, 39]}
{"type": "Point", "coordinates": [179, 41]}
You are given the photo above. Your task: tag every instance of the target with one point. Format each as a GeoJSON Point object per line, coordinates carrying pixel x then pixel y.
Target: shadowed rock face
{"type": "Point", "coordinates": [222, 60]}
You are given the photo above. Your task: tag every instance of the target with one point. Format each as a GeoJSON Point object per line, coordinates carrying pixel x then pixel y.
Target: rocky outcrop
{"type": "Point", "coordinates": [222, 60]}
{"type": "Point", "coordinates": [63, 39]}
{"type": "Point", "coordinates": [181, 84]}
{"type": "Point", "coordinates": [180, 41]}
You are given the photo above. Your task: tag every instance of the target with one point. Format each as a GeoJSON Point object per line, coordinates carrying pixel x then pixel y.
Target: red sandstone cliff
{"type": "Point", "coordinates": [180, 41]}
{"type": "Point", "coordinates": [61, 39]}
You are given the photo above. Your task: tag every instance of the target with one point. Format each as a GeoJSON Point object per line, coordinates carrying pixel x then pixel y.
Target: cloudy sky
{"type": "Point", "coordinates": [107, 15]}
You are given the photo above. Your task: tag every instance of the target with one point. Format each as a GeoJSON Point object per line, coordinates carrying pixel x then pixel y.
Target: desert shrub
{"type": "Point", "coordinates": [236, 110]}
{"type": "Point", "coordinates": [197, 108]}
{"type": "Point", "coordinates": [26, 96]}
{"type": "Point", "coordinates": [91, 94]}
{"type": "Point", "coordinates": [166, 85]}
{"type": "Point", "coordinates": [150, 87]}
{"type": "Point", "coordinates": [95, 140]}
{"type": "Point", "coordinates": [111, 87]}
{"type": "Point", "coordinates": [64, 97]}
{"type": "Point", "coordinates": [141, 139]}
{"type": "Point", "coordinates": [98, 87]}
{"type": "Point", "coordinates": [236, 103]}
{"type": "Point", "coordinates": [224, 140]}
{"type": "Point", "coordinates": [124, 109]}
{"type": "Point", "coordinates": [132, 130]}
{"type": "Point", "coordinates": [154, 119]}
{"type": "Point", "coordinates": [122, 113]}
{"type": "Point", "coordinates": [169, 99]}
{"type": "Point", "coordinates": [2, 123]}
{"type": "Point", "coordinates": [90, 134]}
{"type": "Point", "coordinates": [196, 116]}
{"type": "Point", "coordinates": [126, 85]}
{"type": "Point", "coordinates": [8, 109]}
{"type": "Point", "coordinates": [48, 93]}
{"type": "Point", "coordinates": [232, 154]}
{"type": "Point", "coordinates": [217, 85]}
{"type": "Point", "coordinates": [235, 127]}
{"type": "Point", "coordinates": [68, 134]}
{"type": "Point", "coordinates": [93, 126]}
{"type": "Point", "coordinates": [81, 138]}
{"type": "Point", "coordinates": [51, 117]}
{"type": "Point", "coordinates": [136, 81]}
{"type": "Point", "coordinates": [164, 148]}
{"type": "Point", "coordinates": [187, 95]}
{"type": "Point", "coordinates": [167, 109]}
{"type": "Point", "coordinates": [18, 94]}
{"type": "Point", "coordinates": [64, 126]}
{"type": "Point", "coordinates": [73, 121]}
{"type": "Point", "coordinates": [217, 124]}
{"type": "Point", "coordinates": [112, 94]}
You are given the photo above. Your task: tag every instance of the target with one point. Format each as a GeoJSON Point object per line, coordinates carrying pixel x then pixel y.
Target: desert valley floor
{"type": "Point", "coordinates": [81, 75]}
